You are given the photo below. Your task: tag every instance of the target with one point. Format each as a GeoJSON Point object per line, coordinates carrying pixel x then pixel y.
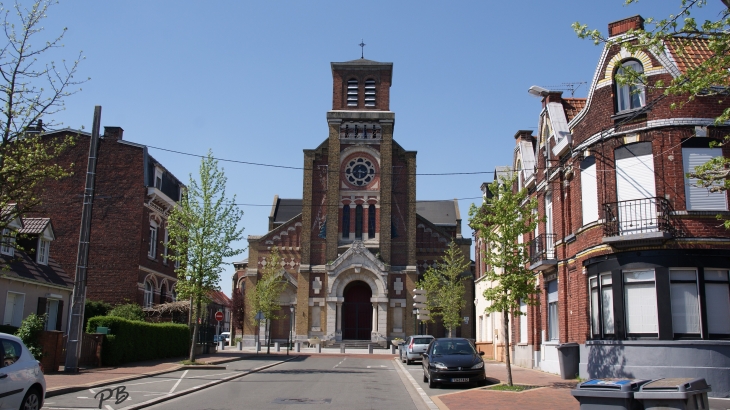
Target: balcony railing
{"type": "Point", "coordinates": [542, 248]}
{"type": "Point", "coordinates": [636, 217]}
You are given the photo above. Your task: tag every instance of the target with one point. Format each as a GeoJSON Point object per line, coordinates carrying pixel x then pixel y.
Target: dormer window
{"type": "Point", "coordinates": [370, 93]}
{"type": "Point", "coordinates": [42, 253]}
{"type": "Point", "coordinates": [352, 91]}
{"type": "Point", "coordinates": [629, 96]}
{"type": "Point", "coordinates": [158, 178]}
{"type": "Point", "coordinates": [6, 243]}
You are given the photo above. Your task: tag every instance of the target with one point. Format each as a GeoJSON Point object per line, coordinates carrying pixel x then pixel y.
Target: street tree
{"type": "Point", "coordinates": [265, 296]}
{"type": "Point", "coordinates": [202, 229]}
{"type": "Point", "coordinates": [444, 285]}
{"type": "Point", "coordinates": [500, 221]}
{"type": "Point", "coordinates": [709, 77]}
{"type": "Point", "coordinates": [33, 87]}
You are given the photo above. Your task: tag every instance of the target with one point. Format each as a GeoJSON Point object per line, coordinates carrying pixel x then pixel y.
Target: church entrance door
{"type": "Point", "coordinates": [357, 311]}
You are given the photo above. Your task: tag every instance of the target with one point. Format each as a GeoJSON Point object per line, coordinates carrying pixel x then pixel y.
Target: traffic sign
{"type": "Point", "coordinates": [259, 316]}
{"type": "Point", "coordinates": [219, 316]}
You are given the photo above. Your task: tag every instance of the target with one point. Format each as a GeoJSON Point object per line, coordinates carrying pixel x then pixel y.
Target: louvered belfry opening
{"type": "Point", "coordinates": [352, 91]}
{"type": "Point", "coordinates": [370, 93]}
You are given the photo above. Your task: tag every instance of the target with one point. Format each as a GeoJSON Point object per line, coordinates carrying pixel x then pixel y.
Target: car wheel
{"type": "Point", "coordinates": [431, 383]}
{"type": "Point", "coordinates": [32, 400]}
{"type": "Point", "coordinates": [408, 361]}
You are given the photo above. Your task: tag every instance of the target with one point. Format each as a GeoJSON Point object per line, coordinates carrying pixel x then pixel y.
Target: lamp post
{"type": "Point", "coordinates": [291, 328]}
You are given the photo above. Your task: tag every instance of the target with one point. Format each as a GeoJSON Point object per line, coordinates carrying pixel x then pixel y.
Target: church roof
{"type": "Point", "coordinates": [439, 212]}
{"type": "Point", "coordinates": [286, 209]}
{"type": "Point", "coordinates": [362, 61]}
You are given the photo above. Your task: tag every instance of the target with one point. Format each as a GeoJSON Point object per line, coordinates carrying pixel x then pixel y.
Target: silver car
{"type": "Point", "coordinates": [412, 348]}
{"type": "Point", "coordinates": [22, 384]}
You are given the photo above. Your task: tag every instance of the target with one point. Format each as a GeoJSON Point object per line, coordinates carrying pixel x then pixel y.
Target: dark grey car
{"type": "Point", "coordinates": [412, 348]}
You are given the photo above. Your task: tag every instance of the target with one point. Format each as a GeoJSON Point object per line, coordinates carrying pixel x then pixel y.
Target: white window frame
{"type": "Point", "coordinates": [679, 279]}
{"type": "Point", "coordinates": [589, 191]}
{"type": "Point", "coordinates": [637, 316]}
{"type": "Point", "coordinates": [16, 318]}
{"type": "Point", "coordinates": [42, 251]}
{"type": "Point", "coordinates": [553, 325]}
{"type": "Point", "coordinates": [152, 251]}
{"type": "Point", "coordinates": [7, 241]}
{"type": "Point", "coordinates": [149, 293]}
{"type": "Point", "coordinates": [715, 314]}
{"type": "Point", "coordinates": [158, 177]}
{"type": "Point", "coordinates": [626, 93]}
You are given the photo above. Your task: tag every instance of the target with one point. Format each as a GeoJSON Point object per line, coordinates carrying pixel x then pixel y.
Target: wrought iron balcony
{"type": "Point", "coordinates": [637, 220]}
{"type": "Point", "coordinates": [542, 252]}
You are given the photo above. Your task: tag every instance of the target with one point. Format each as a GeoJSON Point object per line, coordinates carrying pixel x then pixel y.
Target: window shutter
{"type": "Point", "coordinates": [42, 306]}
{"type": "Point", "coordinates": [589, 190]}
{"type": "Point", "coordinates": [699, 198]}
{"type": "Point", "coordinates": [370, 93]}
{"type": "Point", "coordinates": [59, 316]}
{"type": "Point", "coordinates": [635, 178]}
{"type": "Point", "coordinates": [352, 89]}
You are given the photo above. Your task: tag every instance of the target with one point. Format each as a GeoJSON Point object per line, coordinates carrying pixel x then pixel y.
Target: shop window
{"type": "Point", "coordinates": [640, 303]}
{"type": "Point", "coordinates": [717, 296]}
{"type": "Point", "coordinates": [684, 297]}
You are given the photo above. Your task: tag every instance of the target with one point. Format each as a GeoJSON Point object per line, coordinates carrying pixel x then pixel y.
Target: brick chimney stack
{"type": "Point", "coordinates": [113, 133]}
{"type": "Point", "coordinates": [523, 135]}
{"type": "Point", "coordinates": [622, 26]}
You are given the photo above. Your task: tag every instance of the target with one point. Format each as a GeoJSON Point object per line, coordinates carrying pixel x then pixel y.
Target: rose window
{"type": "Point", "coordinates": [360, 171]}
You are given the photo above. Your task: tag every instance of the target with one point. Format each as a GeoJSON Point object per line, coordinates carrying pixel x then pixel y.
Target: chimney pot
{"type": "Point", "coordinates": [113, 132]}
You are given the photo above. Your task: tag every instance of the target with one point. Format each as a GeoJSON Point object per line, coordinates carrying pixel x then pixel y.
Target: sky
{"type": "Point", "coordinates": [251, 81]}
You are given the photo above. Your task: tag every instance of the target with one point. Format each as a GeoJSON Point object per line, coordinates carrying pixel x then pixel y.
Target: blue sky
{"type": "Point", "coordinates": [251, 80]}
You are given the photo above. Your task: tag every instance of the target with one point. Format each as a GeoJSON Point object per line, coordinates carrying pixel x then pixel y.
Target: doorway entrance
{"type": "Point", "coordinates": [357, 311]}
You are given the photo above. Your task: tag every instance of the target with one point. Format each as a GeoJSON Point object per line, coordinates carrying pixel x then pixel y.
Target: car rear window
{"type": "Point", "coordinates": [422, 340]}
{"type": "Point", "coordinates": [11, 351]}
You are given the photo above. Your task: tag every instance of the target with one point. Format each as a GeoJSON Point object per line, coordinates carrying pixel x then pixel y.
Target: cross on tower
{"type": "Point", "coordinates": [362, 49]}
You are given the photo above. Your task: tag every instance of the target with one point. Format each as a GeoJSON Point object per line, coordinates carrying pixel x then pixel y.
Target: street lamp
{"type": "Point", "coordinates": [291, 328]}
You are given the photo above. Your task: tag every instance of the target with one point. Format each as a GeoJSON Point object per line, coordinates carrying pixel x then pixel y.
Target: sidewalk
{"type": "Point", "coordinates": [554, 393]}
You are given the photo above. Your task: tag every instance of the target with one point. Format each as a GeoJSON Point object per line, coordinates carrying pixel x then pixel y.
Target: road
{"type": "Point", "coordinates": [310, 382]}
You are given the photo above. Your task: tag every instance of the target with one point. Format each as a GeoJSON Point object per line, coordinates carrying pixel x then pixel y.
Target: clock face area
{"type": "Point", "coordinates": [359, 171]}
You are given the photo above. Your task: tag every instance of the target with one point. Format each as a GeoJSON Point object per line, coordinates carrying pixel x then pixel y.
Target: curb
{"type": "Point", "coordinates": [201, 387]}
{"type": "Point", "coordinates": [424, 396]}
{"type": "Point", "coordinates": [57, 391]}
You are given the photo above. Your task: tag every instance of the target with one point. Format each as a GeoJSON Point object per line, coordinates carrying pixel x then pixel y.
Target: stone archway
{"type": "Point", "coordinates": [357, 311]}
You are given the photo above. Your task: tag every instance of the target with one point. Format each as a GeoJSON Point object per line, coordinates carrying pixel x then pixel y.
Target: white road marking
{"type": "Point", "coordinates": [178, 382]}
{"type": "Point", "coordinates": [339, 363]}
{"type": "Point", "coordinates": [376, 366]}
{"type": "Point", "coordinates": [92, 390]}
{"type": "Point", "coordinates": [108, 407]}
{"type": "Point", "coordinates": [83, 397]}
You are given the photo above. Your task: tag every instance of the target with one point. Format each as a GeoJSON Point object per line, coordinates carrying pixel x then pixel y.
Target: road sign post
{"type": "Point", "coordinates": [422, 313]}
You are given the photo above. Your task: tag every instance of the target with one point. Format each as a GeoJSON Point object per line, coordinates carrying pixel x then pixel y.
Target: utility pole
{"type": "Point", "coordinates": [76, 322]}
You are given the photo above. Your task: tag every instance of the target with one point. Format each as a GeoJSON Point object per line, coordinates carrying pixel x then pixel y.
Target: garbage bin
{"type": "Point", "coordinates": [679, 394]}
{"type": "Point", "coordinates": [600, 394]}
{"type": "Point", "coordinates": [569, 356]}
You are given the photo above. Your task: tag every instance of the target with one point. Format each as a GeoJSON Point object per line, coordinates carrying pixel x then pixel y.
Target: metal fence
{"type": "Point", "coordinates": [637, 216]}
{"type": "Point", "coordinates": [542, 247]}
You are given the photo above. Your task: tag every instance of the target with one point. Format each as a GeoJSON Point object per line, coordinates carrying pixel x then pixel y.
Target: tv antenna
{"type": "Point", "coordinates": [572, 87]}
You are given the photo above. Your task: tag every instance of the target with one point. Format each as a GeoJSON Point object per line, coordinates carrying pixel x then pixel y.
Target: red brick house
{"type": "Point", "coordinates": [134, 193]}
{"type": "Point", "coordinates": [632, 264]}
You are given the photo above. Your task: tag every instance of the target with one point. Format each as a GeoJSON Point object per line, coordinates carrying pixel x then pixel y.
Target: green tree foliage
{"type": "Point", "coordinates": [500, 221]}
{"type": "Point", "coordinates": [30, 333]}
{"type": "Point", "coordinates": [444, 286]}
{"type": "Point", "coordinates": [129, 311]}
{"type": "Point", "coordinates": [201, 230]}
{"type": "Point", "coordinates": [708, 78]}
{"type": "Point", "coordinates": [265, 296]}
{"type": "Point", "coordinates": [94, 308]}
{"type": "Point", "coordinates": [31, 89]}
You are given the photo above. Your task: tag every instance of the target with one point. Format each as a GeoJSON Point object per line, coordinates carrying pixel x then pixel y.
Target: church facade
{"type": "Point", "coordinates": [357, 241]}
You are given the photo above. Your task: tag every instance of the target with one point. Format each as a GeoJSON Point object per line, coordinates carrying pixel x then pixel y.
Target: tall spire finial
{"type": "Point", "coordinates": [362, 49]}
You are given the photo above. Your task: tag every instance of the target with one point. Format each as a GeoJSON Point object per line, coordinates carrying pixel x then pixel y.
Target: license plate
{"type": "Point", "coordinates": [460, 380]}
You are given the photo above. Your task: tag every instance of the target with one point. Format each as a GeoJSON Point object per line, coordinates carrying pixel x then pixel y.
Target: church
{"type": "Point", "coordinates": [357, 241]}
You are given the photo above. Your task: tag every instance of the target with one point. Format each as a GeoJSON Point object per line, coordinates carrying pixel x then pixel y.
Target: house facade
{"type": "Point", "coordinates": [357, 241]}
{"type": "Point", "coordinates": [32, 281]}
{"type": "Point", "coordinates": [134, 194]}
{"type": "Point", "coordinates": [630, 259]}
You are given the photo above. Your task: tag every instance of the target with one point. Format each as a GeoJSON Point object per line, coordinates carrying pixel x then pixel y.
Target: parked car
{"type": "Point", "coordinates": [412, 348]}
{"type": "Point", "coordinates": [22, 385]}
{"type": "Point", "coordinates": [223, 337]}
{"type": "Point", "coordinates": [453, 360]}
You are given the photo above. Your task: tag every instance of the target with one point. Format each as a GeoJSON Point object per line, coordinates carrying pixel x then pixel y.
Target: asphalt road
{"type": "Point", "coordinates": [308, 383]}
{"type": "Point", "coordinates": [117, 396]}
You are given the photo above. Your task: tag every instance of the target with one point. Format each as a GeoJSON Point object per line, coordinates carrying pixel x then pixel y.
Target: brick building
{"type": "Point", "coordinates": [356, 242]}
{"type": "Point", "coordinates": [632, 264]}
{"type": "Point", "coordinates": [134, 193]}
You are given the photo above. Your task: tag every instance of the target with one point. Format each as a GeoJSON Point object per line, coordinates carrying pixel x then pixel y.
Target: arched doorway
{"type": "Point", "coordinates": [357, 311]}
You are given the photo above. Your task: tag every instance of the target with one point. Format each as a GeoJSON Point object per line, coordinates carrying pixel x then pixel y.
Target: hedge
{"type": "Point", "coordinates": [134, 341]}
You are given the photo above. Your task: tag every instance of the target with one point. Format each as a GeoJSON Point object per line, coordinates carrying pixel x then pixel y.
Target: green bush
{"type": "Point", "coordinates": [30, 333]}
{"type": "Point", "coordinates": [134, 341]}
{"type": "Point", "coordinates": [95, 308]}
{"type": "Point", "coordinates": [129, 311]}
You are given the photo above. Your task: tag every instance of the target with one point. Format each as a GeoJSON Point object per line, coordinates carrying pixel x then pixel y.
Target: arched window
{"type": "Point", "coordinates": [163, 293]}
{"type": "Point", "coordinates": [346, 222]}
{"type": "Point", "coordinates": [352, 91]}
{"type": "Point", "coordinates": [148, 293]}
{"type": "Point", "coordinates": [358, 222]}
{"type": "Point", "coordinates": [629, 96]}
{"type": "Point", "coordinates": [371, 222]}
{"type": "Point", "coordinates": [370, 93]}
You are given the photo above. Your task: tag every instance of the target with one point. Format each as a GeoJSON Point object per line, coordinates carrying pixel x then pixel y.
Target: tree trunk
{"type": "Point", "coordinates": [268, 336]}
{"type": "Point", "coordinates": [195, 315]}
{"type": "Point", "coordinates": [505, 315]}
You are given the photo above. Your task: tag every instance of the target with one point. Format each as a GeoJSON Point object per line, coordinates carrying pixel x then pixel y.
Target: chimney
{"type": "Point", "coordinates": [523, 135]}
{"type": "Point", "coordinates": [622, 26]}
{"type": "Point", "coordinates": [113, 132]}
